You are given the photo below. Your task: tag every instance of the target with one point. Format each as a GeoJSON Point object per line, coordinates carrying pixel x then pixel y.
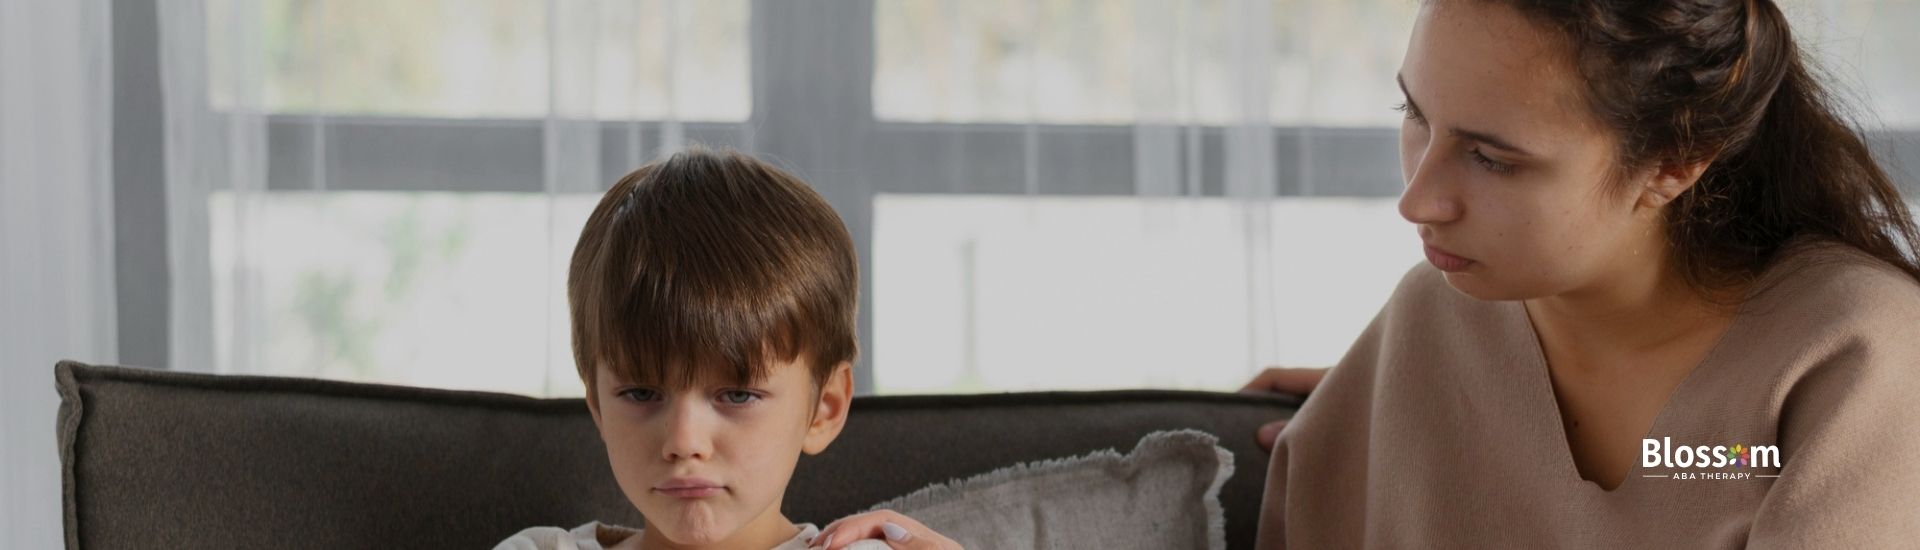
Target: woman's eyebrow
{"type": "Point", "coordinates": [1476, 135]}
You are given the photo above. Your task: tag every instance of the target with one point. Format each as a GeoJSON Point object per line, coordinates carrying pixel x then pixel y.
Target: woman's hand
{"type": "Point", "coordinates": [1297, 381]}
{"type": "Point", "coordinates": [898, 531]}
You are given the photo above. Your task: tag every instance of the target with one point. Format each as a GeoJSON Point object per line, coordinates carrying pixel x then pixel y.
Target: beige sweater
{"type": "Point", "coordinates": [1439, 429]}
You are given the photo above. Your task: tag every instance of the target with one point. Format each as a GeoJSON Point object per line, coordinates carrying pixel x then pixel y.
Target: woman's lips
{"type": "Point", "coordinates": [689, 488]}
{"type": "Point", "coordinates": [1445, 261]}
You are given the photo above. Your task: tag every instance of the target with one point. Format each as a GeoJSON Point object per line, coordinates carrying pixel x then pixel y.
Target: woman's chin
{"type": "Point", "coordinates": [1476, 284]}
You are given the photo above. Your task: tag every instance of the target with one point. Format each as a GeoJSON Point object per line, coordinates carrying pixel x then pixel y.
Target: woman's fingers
{"type": "Point", "coordinates": [1269, 433]}
{"type": "Point", "coordinates": [1297, 381]}
{"type": "Point", "coordinates": [898, 531]}
{"type": "Point", "coordinates": [846, 530]}
{"type": "Point", "coordinates": [906, 534]}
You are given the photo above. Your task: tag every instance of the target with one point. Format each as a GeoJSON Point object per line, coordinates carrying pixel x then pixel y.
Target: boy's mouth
{"type": "Point", "coordinates": [689, 487]}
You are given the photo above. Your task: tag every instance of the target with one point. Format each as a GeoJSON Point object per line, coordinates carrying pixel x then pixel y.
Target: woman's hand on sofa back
{"type": "Point", "coordinates": [1288, 380]}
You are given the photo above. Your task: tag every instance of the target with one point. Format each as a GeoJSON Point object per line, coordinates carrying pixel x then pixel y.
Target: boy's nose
{"type": "Point", "coordinates": [688, 436]}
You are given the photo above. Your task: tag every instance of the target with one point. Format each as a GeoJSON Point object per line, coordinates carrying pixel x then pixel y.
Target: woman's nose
{"type": "Point", "coordinates": [1429, 198]}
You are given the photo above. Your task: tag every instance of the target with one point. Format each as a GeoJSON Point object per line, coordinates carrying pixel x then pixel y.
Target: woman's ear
{"type": "Point", "coordinates": [830, 411]}
{"type": "Point", "coordinates": [1669, 181]}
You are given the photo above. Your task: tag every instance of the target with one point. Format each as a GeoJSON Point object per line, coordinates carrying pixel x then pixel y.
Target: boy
{"type": "Point", "coordinates": [713, 299]}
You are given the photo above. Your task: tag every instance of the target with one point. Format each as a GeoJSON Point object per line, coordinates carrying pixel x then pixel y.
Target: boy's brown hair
{"type": "Point", "coordinates": [711, 263]}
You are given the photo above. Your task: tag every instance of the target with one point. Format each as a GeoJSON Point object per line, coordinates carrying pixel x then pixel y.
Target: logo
{"type": "Point", "coordinates": [1709, 462]}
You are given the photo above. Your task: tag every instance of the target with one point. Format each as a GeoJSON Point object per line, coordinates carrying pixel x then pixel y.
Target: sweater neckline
{"type": "Point", "coordinates": [1539, 391]}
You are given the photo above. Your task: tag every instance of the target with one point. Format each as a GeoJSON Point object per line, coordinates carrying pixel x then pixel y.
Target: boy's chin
{"type": "Point", "coordinates": [697, 538]}
{"type": "Point", "coordinates": [695, 524]}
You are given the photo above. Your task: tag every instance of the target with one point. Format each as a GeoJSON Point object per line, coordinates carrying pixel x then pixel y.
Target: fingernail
{"type": "Point", "coordinates": [894, 532]}
{"type": "Point", "coordinates": [829, 542]}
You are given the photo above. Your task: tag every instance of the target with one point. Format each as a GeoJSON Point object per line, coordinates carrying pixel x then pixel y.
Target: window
{"type": "Point", "coordinates": [405, 196]}
{"type": "Point", "coordinates": [419, 288]}
{"type": "Point", "coordinates": [1106, 62]}
{"type": "Point", "coordinates": [999, 293]}
{"type": "Point", "coordinates": [1865, 47]}
{"type": "Point", "coordinates": [987, 155]}
{"type": "Point", "coordinates": [484, 58]}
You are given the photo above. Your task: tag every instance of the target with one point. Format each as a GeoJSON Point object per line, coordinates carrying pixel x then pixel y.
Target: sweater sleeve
{"type": "Point", "coordinates": [1848, 439]}
{"type": "Point", "coordinates": [1332, 428]}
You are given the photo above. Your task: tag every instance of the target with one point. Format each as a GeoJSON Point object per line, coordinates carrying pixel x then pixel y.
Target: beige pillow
{"type": "Point", "coordinates": [1164, 494]}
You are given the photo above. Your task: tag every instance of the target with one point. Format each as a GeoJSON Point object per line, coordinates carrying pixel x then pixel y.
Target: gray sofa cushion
{"type": "Point", "coordinates": [164, 459]}
{"type": "Point", "coordinates": [1164, 493]}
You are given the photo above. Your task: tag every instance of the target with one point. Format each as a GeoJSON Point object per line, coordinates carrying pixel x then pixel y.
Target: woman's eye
{"type": "Point", "coordinates": [1491, 165]}
{"type": "Point", "coordinates": [1410, 113]}
{"type": "Point", "coordinates": [738, 397]}
{"type": "Point", "coordinates": [640, 394]}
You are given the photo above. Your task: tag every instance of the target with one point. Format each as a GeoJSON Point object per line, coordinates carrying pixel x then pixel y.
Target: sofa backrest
{"type": "Point", "coordinates": [159, 459]}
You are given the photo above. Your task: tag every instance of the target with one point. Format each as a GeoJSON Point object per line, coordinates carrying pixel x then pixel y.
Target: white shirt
{"type": "Point", "coordinates": [587, 537]}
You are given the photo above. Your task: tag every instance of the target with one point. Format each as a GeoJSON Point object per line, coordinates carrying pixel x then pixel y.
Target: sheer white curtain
{"type": "Point", "coordinates": [1044, 200]}
{"type": "Point", "coordinates": [56, 241]}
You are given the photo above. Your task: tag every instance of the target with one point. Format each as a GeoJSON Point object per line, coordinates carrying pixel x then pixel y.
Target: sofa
{"type": "Point", "coordinates": [165, 459]}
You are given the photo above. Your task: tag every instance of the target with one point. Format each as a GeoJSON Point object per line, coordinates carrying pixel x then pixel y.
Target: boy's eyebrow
{"type": "Point", "coordinates": [661, 380]}
{"type": "Point", "coordinates": [1476, 135]}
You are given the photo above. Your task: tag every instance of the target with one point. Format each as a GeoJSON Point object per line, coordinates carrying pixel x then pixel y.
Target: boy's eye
{"type": "Point", "coordinates": [640, 394]}
{"type": "Point", "coordinates": [738, 397]}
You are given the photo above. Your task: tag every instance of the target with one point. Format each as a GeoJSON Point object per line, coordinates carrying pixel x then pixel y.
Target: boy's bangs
{"type": "Point", "coordinates": [711, 268]}
{"type": "Point", "coordinates": [678, 325]}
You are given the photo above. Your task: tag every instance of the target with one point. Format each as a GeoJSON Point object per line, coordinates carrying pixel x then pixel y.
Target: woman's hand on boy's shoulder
{"type": "Point", "coordinates": [899, 532]}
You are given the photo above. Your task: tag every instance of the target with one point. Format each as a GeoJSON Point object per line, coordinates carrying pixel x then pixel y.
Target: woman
{"type": "Point", "coordinates": [1669, 302]}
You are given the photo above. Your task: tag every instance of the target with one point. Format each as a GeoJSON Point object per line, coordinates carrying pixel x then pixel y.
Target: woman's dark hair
{"type": "Point", "coordinates": [1722, 81]}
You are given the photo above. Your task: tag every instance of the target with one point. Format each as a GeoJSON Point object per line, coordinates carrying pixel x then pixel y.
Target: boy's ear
{"type": "Point", "coordinates": [593, 406]}
{"type": "Point", "coordinates": [830, 413]}
{"type": "Point", "coordinates": [593, 399]}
